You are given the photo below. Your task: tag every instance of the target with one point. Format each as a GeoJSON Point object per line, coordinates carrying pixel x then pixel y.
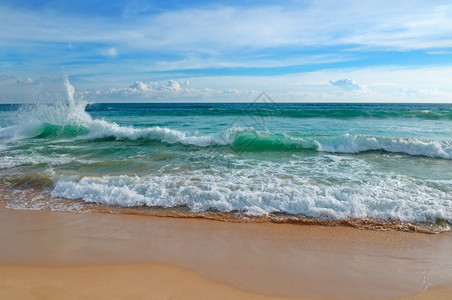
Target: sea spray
{"type": "Point", "coordinates": [42, 119]}
{"type": "Point", "coordinates": [253, 194]}
{"type": "Point", "coordinates": [70, 91]}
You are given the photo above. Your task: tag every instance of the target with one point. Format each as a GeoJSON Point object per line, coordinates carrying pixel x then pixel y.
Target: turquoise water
{"type": "Point", "coordinates": [386, 162]}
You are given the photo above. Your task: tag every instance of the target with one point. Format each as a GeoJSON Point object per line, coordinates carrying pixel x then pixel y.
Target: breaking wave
{"type": "Point", "coordinates": [253, 194]}
{"type": "Point", "coordinates": [239, 139]}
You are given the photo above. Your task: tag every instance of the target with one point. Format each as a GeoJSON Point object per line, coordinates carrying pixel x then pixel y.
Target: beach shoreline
{"type": "Point", "coordinates": [256, 259]}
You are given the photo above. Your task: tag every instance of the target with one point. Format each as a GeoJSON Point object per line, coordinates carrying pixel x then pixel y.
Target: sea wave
{"type": "Point", "coordinates": [250, 192]}
{"type": "Point", "coordinates": [251, 140]}
{"type": "Point", "coordinates": [100, 129]}
{"type": "Point", "coordinates": [246, 139]}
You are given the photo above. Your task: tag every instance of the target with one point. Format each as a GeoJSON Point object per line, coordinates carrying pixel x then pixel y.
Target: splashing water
{"type": "Point", "coordinates": [70, 91]}
{"type": "Point", "coordinates": [33, 120]}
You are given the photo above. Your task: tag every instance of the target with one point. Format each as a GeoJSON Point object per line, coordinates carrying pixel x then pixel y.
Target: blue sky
{"type": "Point", "coordinates": [307, 51]}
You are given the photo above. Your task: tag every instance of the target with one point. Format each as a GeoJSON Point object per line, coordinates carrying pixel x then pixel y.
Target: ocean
{"type": "Point", "coordinates": [387, 166]}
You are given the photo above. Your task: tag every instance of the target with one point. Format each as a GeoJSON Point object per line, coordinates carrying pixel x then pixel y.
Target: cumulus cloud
{"type": "Point", "coordinates": [150, 89]}
{"type": "Point", "coordinates": [27, 80]}
{"type": "Point", "coordinates": [174, 90]}
{"type": "Point", "coordinates": [349, 85]}
{"type": "Point", "coordinates": [385, 84]}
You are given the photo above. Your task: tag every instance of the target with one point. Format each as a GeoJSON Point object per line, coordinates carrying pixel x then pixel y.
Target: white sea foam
{"type": "Point", "coordinates": [10, 161]}
{"type": "Point", "coordinates": [102, 129]}
{"type": "Point", "coordinates": [9, 132]}
{"type": "Point", "coordinates": [31, 200]}
{"type": "Point", "coordinates": [327, 192]}
{"type": "Point", "coordinates": [412, 146]}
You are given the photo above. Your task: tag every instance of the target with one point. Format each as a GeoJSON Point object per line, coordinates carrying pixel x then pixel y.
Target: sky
{"type": "Point", "coordinates": [229, 51]}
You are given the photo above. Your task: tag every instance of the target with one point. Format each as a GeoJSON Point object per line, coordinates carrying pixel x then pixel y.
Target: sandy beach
{"type": "Point", "coordinates": [226, 149]}
{"type": "Point", "coordinates": [145, 281]}
{"type": "Point", "coordinates": [53, 254]}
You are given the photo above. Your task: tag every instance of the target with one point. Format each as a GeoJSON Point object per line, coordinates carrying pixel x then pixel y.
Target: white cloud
{"type": "Point", "coordinates": [349, 85]}
{"type": "Point", "coordinates": [27, 80]}
{"type": "Point", "coordinates": [171, 87]}
{"type": "Point", "coordinates": [112, 52]}
{"type": "Point", "coordinates": [440, 52]}
{"type": "Point", "coordinates": [410, 93]}
{"type": "Point", "coordinates": [173, 90]}
{"type": "Point", "coordinates": [194, 62]}
{"type": "Point", "coordinates": [384, 84]}
{"type": "Point", "coordinates": [303, 87]}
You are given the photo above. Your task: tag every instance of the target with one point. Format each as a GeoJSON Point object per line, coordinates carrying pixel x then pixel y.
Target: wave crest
{"type": "Point", "coordinates": [247, 139]}
{"type": "Point", "coordinates": [252, 140]}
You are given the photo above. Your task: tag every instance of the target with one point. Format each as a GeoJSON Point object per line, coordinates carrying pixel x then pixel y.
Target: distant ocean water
{"type": "Point", "coordinates": [324, 162]}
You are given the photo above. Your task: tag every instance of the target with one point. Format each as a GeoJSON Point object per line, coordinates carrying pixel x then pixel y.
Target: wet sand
{"type": "Point", "coordinates": [46, 253]}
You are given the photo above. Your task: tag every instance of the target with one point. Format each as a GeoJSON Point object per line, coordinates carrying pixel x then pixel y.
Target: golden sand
{"type": "Point", "coordinates": [132, 281]}
{"type": "Point", "coordinates": [54, 254]}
